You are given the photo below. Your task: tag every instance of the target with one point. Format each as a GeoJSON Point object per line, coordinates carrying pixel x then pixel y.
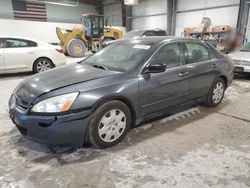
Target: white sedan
{"type": "Point", "coordinates": [19, 54]}
{"type": "Point", "coordinates": [242, 59]}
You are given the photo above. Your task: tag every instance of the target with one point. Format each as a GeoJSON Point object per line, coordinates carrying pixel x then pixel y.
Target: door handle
{"type": "Point", "coordinates": [214, 65]}
{"type": "Point", "coordinates": [30, 52]}
{"type": "Point", "coordinates": [182, 74]}
{"type": "Point", "coordinates": [190, 66]}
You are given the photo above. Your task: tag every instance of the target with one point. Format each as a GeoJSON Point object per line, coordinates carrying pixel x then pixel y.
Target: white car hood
{"type": "Point", "coordinates": [240, 55]}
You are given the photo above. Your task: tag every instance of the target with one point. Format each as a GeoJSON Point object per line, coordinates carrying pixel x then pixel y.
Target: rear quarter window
{"type": "Point", "coordinates": [215, 54]}
{"type": "Point", "coordinates": [149, 33]}
{"type": "Point", "coordinates": [197, 52]}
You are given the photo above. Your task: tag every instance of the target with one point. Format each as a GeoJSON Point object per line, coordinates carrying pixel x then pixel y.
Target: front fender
{"type": "Point", "coordinates": [126, 91]}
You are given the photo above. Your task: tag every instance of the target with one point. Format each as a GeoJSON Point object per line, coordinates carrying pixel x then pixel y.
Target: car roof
{"type": "Point", "coordinates": [26, 38]}
{"type": "Point", "coordinates": [143, 30]}
{"type": "Point", "coordinates": [23, 38]}
{"type": "Point", "coordinates": [152, 40]}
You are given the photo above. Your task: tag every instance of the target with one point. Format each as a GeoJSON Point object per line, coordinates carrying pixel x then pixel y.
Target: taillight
{"type": "Point", "coordinates": [60, 50]}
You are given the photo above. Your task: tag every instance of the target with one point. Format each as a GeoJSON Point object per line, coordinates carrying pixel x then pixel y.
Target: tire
{"type": "Point", "coordinates": [214, 98]}
{"type": "Point", "coordinates": [104, 127]}
{"type": "Point", "coordinates": [76, 48]}
{"type": "Point", "coordinates": [42, 64]}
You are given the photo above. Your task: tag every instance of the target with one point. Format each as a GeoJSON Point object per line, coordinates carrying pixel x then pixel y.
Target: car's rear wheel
{"type": "Point", "coordinates": [216, 93]}
{"type": "Point", "coordinates": [109, 124]}
{"type": "Point", "coordinates": [41, 65]}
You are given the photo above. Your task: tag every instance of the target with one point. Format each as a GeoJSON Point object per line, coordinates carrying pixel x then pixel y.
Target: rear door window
{"type": "Point", "coordinates": [160, 33]}
{"type": "Point", "coordinates": [18, 43]}
{"type": "Point", "coordinates": [197, 52]}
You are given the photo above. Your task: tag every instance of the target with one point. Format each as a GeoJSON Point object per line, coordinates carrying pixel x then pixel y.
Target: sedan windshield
{"type": "Point", "coordinates": [245, 48]}
{"type": "Point", "coordinates": [118, 57]}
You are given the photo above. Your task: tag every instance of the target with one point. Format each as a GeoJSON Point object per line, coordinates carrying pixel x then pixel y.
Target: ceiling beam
{"type": "Point", "coordinates": [91, 2]}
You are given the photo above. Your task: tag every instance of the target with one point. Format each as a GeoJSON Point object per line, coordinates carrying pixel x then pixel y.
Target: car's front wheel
{"type": "Point", "coordinates": [216, 93]}
{"type": "Point", "coordinates": [109, 124]}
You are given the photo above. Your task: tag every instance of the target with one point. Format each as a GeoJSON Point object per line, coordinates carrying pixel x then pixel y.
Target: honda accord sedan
{"type": "Point", "coordinates": [133, 80]}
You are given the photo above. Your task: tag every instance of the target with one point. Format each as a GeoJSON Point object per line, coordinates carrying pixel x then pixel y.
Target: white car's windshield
{"type": "Point", "coordinates": [133, 34]}
{"type": "Point", "coordinates": [245, 48]}
{"type": "Point", "coordinates": [118, 57]}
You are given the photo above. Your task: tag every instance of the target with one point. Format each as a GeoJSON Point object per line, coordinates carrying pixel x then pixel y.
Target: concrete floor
{"type": "Point", "coordinates": [198, 147]}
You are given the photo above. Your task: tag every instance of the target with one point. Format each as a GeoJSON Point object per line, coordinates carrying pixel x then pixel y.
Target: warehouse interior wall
{"type": "Point", "coordinates": [150, 14]}
{"type": "Point", "coordinates": [113, 12]}
{"type": "Point", "coordinates": [66, 14]}
{"type": "Point", "coordinates": [6, 9]}
{"type": "Point", "coordinates": [44, 31]}
{"type": "Point", "coordinates": [57, 16]}
{"type": "Point", "coordinates": [190, 13]}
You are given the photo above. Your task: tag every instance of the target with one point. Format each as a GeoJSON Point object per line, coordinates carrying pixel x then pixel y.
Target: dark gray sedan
{"type": "Point", "coordinates": [133, 80]}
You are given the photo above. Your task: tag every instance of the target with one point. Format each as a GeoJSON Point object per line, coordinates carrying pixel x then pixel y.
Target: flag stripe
{"type": "Point", "coordinates": [36, 6]}
{"type": "Point", "coordinates": [36, 10]}
{"type": "Point", "coordinates": [28, 16]}
{"type": "Point", "coordinates": [30, 13]}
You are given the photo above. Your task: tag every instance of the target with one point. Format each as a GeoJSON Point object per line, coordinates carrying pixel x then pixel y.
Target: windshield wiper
{"type": "Point", "coordinates": [100, 67]}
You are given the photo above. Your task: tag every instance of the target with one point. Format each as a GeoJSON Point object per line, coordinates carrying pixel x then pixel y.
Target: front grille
{"type": "Point", "coordinates": [241, 62]}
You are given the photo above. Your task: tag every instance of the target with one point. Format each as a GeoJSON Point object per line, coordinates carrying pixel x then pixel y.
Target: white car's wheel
{"type": "Point", "coordinates": [41, 65]}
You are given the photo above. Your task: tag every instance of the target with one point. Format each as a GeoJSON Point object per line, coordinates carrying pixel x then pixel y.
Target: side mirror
{"type": "Point", "coordinates": [156, 68]}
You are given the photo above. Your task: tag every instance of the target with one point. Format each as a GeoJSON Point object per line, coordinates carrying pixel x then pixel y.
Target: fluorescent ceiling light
{"type": "Point", "coordinates": [131, 2]}
{"type": "Point", "coordinates": [63, 3]}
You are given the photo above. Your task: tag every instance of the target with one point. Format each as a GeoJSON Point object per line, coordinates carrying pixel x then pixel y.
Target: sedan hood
{"type": "Point", "coordinates": [240, 55]}
{"type": "Point", "coordinates": [39, 84]}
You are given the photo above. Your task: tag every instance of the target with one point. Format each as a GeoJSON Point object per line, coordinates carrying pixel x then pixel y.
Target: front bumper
{"type": "Point", "coordinates": [241, 69]}
{"type": "Point", "coordinates": [64, 130]}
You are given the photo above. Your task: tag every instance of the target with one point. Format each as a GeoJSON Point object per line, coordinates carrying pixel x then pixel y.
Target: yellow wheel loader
{"type": "Point", "coordinates": [77, 41]}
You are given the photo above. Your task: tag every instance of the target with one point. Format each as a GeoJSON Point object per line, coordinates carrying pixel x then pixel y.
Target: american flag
{"type": "Point", "coordinates": [27, 10]}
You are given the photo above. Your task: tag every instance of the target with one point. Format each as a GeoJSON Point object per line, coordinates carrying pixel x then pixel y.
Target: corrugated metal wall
{"type": "Point", "coordinates": [222, 12]}
{"type": "Point", "coordinates": [113, 13]}
{"type": "Point", "coordinates": [68, 14]}
{"type": "Point", "coordinates": [150, 14]}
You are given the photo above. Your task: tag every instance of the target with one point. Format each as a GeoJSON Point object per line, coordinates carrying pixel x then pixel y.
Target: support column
{"type": "Point", "coordinates": [128, 18]}
{"type": "Point", "coordinates": [243, 17]}
{"type": "Point", "coordinates": [174, 17]}
{"type": "Point", "coordinates": [171, 17]}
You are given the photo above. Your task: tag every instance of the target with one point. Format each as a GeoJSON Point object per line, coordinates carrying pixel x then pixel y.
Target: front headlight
{"type": "Point", "coordinates": [60, 103]}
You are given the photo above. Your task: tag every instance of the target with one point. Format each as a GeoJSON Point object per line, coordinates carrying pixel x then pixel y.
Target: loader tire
{"type": "Point", "coordinates": [76, 48]}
